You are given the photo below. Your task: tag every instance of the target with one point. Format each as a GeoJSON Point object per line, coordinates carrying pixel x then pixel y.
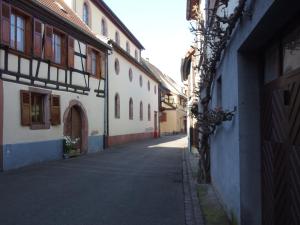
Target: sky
{"type": "Point", "coordinates": [161, 27]}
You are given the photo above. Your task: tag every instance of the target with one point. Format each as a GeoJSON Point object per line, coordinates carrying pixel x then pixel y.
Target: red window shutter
{"type": "Point", "coordinates": [37, 38]}
{"type": "Point", "coordinates": [48, 42]}
{"type": "Point", "coordinates": [28, 35]}
{"type": "Point", "coordinates": [55, 109]}
{"type": "Point", "coordinates": [64, 50]}
{"type": "Point", "coordinates": [98, 66]}
{"type": "Point", "coordinates": [5, 24]}
{"type": "Point", "coordinates": [89, 59]}
{"type": "Point", "coordinates": [102, 65]}
{"type": "Point", "coordinates": [71, 52]}
{"type": "Point", "coordinates": [25, 108]}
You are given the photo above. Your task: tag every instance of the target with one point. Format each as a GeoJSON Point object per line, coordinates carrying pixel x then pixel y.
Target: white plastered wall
{"type": "Point", "coordinates": [95, 20]}
{"type": "Point", "coordinates": [121, 84]}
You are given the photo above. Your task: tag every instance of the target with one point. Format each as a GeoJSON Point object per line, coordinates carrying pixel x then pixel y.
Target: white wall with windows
{"type": "Point", "coordinates": [126, 88]}
{"type": "Point", "coordinates": [96, 18]}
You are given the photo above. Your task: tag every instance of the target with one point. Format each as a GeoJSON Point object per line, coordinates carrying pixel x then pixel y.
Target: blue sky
{"type": "Point", "coordinates": [161, 27]}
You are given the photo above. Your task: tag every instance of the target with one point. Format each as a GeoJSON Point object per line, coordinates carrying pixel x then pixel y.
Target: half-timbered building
{"type": "Point", "coordinates": [132, 89]}
{"type": "Point", "coordinates": [53, 70]}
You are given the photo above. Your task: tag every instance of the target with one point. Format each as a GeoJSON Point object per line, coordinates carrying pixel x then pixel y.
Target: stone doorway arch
{"type": "Point", "coordinates": [76, 123]}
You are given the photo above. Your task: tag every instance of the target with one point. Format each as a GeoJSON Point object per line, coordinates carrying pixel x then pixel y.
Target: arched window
{"type": "Point", "coordinates": [130, 109]}
{"type": "Point", "coordinates": [141, 110]}
{"type": "Point", "coordinates": [117, 106]}
{"type": "Point", "coordinates": [148, 85]}
{"type": "Point", "coordinates": [117, 66]}
{"type": "Point", "coordinates": [127, 47]}
{"type": "Point", "coordinates": [103, 27]}
{"type": "Point", "coordinates": [149, 112]}
{"type": "Point", "coordinates": [117, 38]}
{"type": "Point", "coordinates": [85, 14]}
{"type": "Point", "coordinates": [141, 80]}
{"type": "Point", "coordinates": [130, 74]}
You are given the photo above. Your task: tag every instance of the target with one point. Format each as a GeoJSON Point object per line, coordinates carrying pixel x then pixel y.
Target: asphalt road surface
{"type": "Point", "coordinates": [133, 184]}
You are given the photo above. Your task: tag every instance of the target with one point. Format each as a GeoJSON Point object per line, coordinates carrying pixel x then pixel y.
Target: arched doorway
{"type": "Point", "coordinates": [76, 124]}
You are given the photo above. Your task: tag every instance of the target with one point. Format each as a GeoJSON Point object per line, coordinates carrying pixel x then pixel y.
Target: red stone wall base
{"type": "Point", "coordinates": [126, 138]}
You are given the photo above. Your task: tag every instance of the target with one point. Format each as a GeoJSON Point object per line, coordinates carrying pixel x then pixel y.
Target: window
{"type": "Point", "coordinates": [103, 27]}
{"type": "Point", "coordinates": [38, 108]}
{"type": "Point", "coordinates": [148, 85]}
{"type": "Point", "coordinates": [130, 74]}
{"type": "Point", "coordinates": [117, 66]}
{"type": "Point", "coordinates": [17, 32]}
{"type": "Point", "coordinates": [149, 112]}
{"type": "Point", "coordinates": [154, 89]}
{"type": "Point", "coordinates": [141, 80]}
{"type": "Point", "coordinates": [117, 38]}
{"type": "Point", "coordinates": [117, 106]}
{"type": "Point", "coordinates": [141, 110]}
{"type": "Point", "coordinates": [94, 63]}
{"type": "Point", "coordinates": [127, 47]}
{"type": "Point", "coordinates": [56, 48]}
{"type": "Point", "coordinates": [130, 109]}
{"type": "Point", "coordinates": [85, 14]}
{"type": "Point", "coordinates": [163, 117]}
{"type": "Point", "coordinates": [291, 51]}
{"type": "Point", "coordinates": [136, 54]}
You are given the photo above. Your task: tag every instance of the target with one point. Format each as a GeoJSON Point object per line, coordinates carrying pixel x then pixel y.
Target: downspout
{"type": "Point", "coordinates": [106, 105]}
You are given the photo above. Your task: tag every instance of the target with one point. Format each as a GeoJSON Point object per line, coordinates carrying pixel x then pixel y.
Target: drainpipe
{"type": "Point", "coordinates": [106, 105]}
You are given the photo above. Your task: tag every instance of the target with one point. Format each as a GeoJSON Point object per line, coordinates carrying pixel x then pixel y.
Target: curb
{"type": "Point", "coordinates": [193, 214]}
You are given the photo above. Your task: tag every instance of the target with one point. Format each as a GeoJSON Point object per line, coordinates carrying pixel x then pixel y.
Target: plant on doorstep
{"type": "Point", "coordinates": [70, 147]}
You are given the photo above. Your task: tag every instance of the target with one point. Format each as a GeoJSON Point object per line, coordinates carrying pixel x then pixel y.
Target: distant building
{"type": "Point", "coordinates": [132, 91]}
{"type": "Point", "coordinates": [52, 70]}
{"type": "Point", "coordinates": [172, 103]}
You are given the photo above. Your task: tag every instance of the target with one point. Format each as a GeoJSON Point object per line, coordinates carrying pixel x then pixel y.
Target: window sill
{"type": "Point", "coordinates": [40, 126]}
{"type": "Point", "coordinates": [19, 53]}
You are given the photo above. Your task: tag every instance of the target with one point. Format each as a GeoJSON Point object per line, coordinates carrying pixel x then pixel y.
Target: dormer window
{"type": "Point", "coordinates": [85, 14]}
{"type": "Point", "coordinates": [103, 27]}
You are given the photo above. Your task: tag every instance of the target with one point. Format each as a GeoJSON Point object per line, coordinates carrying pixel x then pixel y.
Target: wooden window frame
{"type": "Point", "coordinates": [86, 3]}
{"type": "Point", "coordinates": [63, 48]}
{"type": "Point", "coordinates": [99, 64]}
{"type": "Point", "coordinates": [6, 24]}
{"type": "Point", "coordinates": [47, 113]}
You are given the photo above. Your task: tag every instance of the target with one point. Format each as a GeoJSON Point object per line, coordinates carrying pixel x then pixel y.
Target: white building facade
{"type": "Point", "coordinates": [52, 70]}
{"type": "Point", "coordinates": [132, 91]}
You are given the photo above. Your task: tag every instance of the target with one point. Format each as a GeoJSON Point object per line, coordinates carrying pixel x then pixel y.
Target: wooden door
{"type": "Point", "coordinates": [76, 128]}
{"type": "Point", "coordinates": [281, 152]}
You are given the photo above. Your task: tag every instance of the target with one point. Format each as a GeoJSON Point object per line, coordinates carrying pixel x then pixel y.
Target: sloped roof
{"type": "Point", "coordinates": [61, 9]}
{"type": "Point", "coordinates": [166, 81]}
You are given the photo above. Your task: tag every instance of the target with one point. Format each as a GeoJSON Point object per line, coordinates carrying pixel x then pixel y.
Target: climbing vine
{"type": "Point", "coordinates": [211, 39]}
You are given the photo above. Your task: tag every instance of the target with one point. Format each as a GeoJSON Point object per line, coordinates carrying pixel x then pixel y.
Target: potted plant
{"type": "Point", "coordinates": [70, 149]}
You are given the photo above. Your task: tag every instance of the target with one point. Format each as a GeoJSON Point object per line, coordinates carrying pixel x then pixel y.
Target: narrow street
{"type": "Point", "coordinates": [134, 184]}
